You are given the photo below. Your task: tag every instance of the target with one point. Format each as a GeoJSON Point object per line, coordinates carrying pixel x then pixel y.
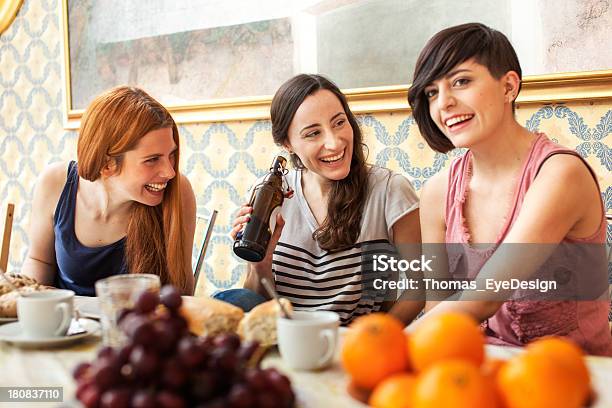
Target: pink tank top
{"type": "Point", "coordinates": [519, 322]}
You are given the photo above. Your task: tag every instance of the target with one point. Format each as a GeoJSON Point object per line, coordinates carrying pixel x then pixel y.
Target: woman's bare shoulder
{"type": "Point", "coordinates": [51, 180]}
{"type": "Point", "coordinates": [188, 199]}
{"type": "Point", "coordinates": [571, 174]}
{"type": "Point", "coordinates": [566, 165]}
{"type": "Point", "coordinates": [186, 188]}
{"type": "Point", "coordinates": [435, 187]}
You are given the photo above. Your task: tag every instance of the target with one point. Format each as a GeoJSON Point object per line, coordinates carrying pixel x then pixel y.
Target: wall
{"type": "Point", "coordinates": [221, 159]}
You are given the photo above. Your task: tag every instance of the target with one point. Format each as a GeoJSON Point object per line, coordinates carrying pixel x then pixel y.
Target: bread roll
{"type": "Point", "coordinates": [260, 323]}
{"type": "Point", "coordinates": [206, 316]}
{"type": "Point", "coordinates": [8, 301]}
{"type": "Point", "coordinates": [19, 280]}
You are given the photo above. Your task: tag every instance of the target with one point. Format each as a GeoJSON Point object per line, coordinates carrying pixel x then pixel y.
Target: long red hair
{"type": "Point", "coordinates": [112, 125]}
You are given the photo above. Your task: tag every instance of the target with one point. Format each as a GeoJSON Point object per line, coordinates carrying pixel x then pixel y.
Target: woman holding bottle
{"type": "Point", "coordinates": [343, 209]}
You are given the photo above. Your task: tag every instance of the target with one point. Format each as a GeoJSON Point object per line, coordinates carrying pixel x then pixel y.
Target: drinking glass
{"type": "Point", "coordinates": [117, 293]}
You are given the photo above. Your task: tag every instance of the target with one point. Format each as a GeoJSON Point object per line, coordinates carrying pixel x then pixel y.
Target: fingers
{"type": "Point", "coordinates": [241, 220]}
{"type": "Point", "coordinates": [243, 215]}
{"type": "Point", "coordinates": [245, 209]}
{"type": "Point", "coordinates": [278, 229]}
{"type": "Point", "coordinates": [234, 232]}
{"type": "Point", "coordinates": [280, 221]}
{"type": "Point", "coordinates": [266, 263]}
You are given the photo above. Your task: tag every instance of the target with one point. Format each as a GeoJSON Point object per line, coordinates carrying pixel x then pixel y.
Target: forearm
{"type": "Point", "coordinates": [43, 272]}
{"type": "Point", "coordinates": [406, 310]}
{"type": "Point", "coordinates": [253, 279]}
{"type": "Point", "coordinates": [408, 305]}
{"type": "Point", "coordinates": [430, 304]}
{"type": "Point", "coordinates": [479, 310]}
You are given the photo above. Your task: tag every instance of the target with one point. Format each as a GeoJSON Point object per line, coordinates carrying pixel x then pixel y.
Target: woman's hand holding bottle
{"type": "Point", "coordinates": [262, 269]}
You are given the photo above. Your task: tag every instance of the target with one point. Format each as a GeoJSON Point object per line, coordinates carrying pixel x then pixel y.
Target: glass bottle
{"type": "Point", "coordinates": [252, 242]}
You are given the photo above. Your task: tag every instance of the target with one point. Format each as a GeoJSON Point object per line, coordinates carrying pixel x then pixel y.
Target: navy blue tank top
{"type": "Point", "coordinates": [78, 266]}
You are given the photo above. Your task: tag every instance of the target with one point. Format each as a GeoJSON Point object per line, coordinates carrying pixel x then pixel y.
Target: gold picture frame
{"type": "Point", "coordinates": [8, 12]}
{"type": "Point", "coordinates": [540, 89]}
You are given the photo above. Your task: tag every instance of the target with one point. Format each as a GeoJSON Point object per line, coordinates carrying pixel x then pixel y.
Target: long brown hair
{"type": "Point", "coordinates": [443, 52]}
{"type": "Point", "coordinates": [347, 197]}
{"type": "Point", "coordinates": [112, 125]}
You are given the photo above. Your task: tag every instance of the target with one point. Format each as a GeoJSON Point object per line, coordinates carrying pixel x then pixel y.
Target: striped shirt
{"type": "Point", "coordinates": [315, 279]}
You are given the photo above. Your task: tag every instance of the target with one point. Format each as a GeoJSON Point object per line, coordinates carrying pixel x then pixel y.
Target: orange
{"type": "Point", "coordinates": [565, 352]}
{"type": "Point", "coordinates": [550, 373]}
{"type": "Point", "coordinates": [374, 348]}
{"type": "Point", "coordinates": [446, 336]}
{"type": "Point", "coordinates": [491, 366]}
{"type": "Point", "coordinates": [453, 384]}
{"type": "Point", "coordinates": [489, 369]}
{"type": "Point", "coordinates": [394, 392]}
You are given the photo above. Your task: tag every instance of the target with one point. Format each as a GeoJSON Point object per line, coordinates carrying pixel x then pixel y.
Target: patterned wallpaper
{"type": "Point", "coordinates": [221, 159]}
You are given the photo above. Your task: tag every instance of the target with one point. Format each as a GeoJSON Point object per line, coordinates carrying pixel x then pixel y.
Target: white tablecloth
{"type": "Point", "coordinates": [53, 367]}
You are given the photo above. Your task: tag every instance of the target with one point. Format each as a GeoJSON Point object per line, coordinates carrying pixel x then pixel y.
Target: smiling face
{"type": "Point", "coordinates": [147, 168]}
{"type": "Point", "coordinates": [322, 137]}
{"type": "Point", "coordinates": [468, 104]}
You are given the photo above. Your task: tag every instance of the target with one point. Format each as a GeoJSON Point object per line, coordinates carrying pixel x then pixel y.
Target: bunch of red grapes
{"type": "Point", "coordinates": [162, 365]}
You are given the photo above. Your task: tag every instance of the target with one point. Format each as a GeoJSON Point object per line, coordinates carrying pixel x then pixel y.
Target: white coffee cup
{"type": "Point", "coordinates": [45, 314]}
{"type": "Point", "coordinates": [308, 340]}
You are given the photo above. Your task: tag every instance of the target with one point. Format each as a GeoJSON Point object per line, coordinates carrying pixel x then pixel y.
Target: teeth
{"type": "Point", "coordinates": [457, 119]}
{"type": "Point", "coordinates": [334, 158]}
{"type": "Point", "coordinates": [156, 186]}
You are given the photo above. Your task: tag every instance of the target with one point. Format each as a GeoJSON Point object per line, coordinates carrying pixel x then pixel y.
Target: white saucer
{"type": "Point", "coordinates": [88, 306]}
{"type": "Point", "coordinates": [11, 333]}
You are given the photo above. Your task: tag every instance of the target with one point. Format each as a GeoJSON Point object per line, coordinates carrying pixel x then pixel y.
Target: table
{"type": "Point", "coordinates": [328, 388]}
{"type": "Point", "coordinates": [53, 367]}
{"type": "Point", "coordinates": [43, 368]}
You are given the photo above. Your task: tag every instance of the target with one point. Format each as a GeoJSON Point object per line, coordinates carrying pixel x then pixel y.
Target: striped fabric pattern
{"type": "Point", "coordinates": [342, 280]}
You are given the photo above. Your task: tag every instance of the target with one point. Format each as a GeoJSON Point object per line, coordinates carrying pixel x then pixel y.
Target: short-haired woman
{"type": "Point", "coordinates": [516, 192]}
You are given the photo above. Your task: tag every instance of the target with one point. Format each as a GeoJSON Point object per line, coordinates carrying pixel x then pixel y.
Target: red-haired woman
{"type": "Point", "coordinates": [124, 208]}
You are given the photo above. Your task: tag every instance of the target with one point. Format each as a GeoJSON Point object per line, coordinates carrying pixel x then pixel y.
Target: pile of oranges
{"type": "Point", "coordinates": [443, 364]}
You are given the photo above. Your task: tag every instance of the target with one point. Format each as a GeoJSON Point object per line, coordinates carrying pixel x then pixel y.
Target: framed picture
{"type": "Point", "coordinates": [222, 60]}
{"type": "Point", "coordinates": [8, 12]}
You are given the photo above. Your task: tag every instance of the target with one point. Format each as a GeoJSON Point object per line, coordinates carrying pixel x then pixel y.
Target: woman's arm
{"type": "Point", "coordinates": [433, 229]}
{"type": "Point", "coordinates": [562, 201]}
{"type": "Point", "coordinates": [263, 269]}
{"type": "Point", "coordinates": [188, 209]}
{"type": "Point", "coordinates": [407, 239]}
{"type": "Point", "coordinates": [40, 262]}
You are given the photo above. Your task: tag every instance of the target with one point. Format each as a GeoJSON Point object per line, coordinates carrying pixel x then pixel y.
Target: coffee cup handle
{"type": "Point", "coordinates": [328, 335]}
{"type": "Point", "coordinates": [66, 319]}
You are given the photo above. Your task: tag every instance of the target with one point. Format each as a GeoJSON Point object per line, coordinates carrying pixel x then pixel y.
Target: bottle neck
{"type": "Point", "coordinates": [275, 179]}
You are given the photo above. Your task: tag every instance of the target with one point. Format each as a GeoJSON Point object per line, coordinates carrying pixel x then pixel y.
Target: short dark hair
{"type": "Point", "coordinates": [444, 51]}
